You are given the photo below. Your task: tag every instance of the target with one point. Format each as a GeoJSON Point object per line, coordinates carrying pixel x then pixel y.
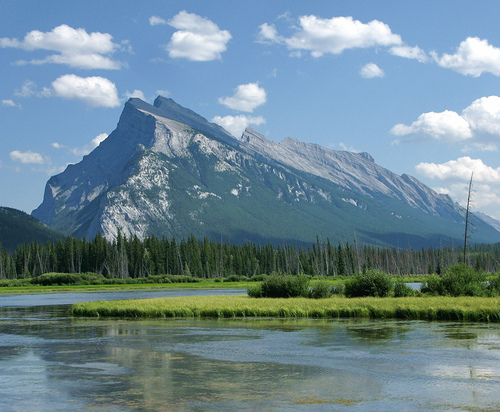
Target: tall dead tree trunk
{"type": "Point", "coordinates": [467, 214]}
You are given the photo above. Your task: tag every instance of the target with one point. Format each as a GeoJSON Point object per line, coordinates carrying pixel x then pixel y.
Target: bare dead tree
{"type": "Point", "coordinates": [467, 214]}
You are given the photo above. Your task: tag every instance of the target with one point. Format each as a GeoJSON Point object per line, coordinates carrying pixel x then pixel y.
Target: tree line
{"type": "Point", "coordinates": [136, 258]}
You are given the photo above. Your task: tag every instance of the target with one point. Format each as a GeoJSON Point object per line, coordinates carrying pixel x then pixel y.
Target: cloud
{"type": "Point", "coordinates": [371, 70]}
{"type": "Point", "coordinates": [478, 126]}
{"type": "Point", "coordinates": [247, 98]}
{"type": "Point", "coordinates": [10, 103]}
{"type": "Point", "coordinates": [408, 52]}
{"type": "Point", "coordinates": [28, 89]}
{"type": "Point", "coordinates": [82, 151]}
{"type": "Point", "coordinates": [447, 125]}
{"type": "Point", "coordinates": [96, 141]}
{"type": "Point", "coordinates": [163, 93]}
{"type": "Point", "coordinates": [456, 174]}
{"type": "Point", "coordinates": [136, 93]}
{"type": "Point", "coordinates": [460, 170]}
{"type": "Point", "coordinates": [28, 157]}
{"type": "Point", "coordinates": [155, 20]}
{"type": "Point", "coordinates": [473, 57]}
{"type": "Point", "coordinates": [197, 38]}
{"type": "Point", "coordinates": [236, 125]}
{"type": "Point", "coordinates": [73, 47]}
{"type": "Point", "coordinates": [331, 36]}
{"type": "Point", "coordinates": [93, 91]}
{"type": "Point", "coordinates": [483, 115]}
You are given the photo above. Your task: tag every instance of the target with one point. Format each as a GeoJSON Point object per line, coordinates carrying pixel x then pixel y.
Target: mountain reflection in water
{"type": "Point", "coordinates": [50, 361]}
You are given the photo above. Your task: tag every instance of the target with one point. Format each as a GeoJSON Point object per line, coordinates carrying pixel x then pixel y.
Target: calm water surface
{"type": "Point", "coordinates": [50, 361]}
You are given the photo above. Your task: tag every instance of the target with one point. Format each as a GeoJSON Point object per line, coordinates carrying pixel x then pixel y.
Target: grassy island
{"type": "Point", "coordinates": [477, 309]}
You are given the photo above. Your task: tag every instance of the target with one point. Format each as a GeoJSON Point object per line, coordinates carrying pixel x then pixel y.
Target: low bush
{"type": "Point", "coordinates": [285, 286]}
{"type": "Point", "coordinates": [255, 291]}
{"type": "Point", "coordinates": [459, 280]}
{"type": "Point", "coordinates": [494, 286]}
{"type": "Point", "coordinates": [53, 279]}
{"type": "Point", "coordinates": [372, 283]}
{"type": "Point", "coordinates": [401, 289]}
{"type": "Point", "coordinates": [322, 289]}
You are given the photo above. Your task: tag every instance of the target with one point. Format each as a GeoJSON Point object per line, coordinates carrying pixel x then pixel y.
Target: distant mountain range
{"type": "Point", "coordinates": [166, 171]}
{"type": "Point", "coordinates": [17, 228]}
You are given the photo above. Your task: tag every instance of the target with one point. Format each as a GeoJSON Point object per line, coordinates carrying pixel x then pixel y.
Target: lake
{"type": "Point", "coordinates": [50, 361]}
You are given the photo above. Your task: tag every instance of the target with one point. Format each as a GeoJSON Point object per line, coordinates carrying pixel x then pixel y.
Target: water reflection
{"type": "Point", "coordinates": [49, 361]}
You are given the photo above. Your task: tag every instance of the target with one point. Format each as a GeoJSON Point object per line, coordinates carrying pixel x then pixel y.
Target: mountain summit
{"type": "Point", "coordinates": [166, 171]}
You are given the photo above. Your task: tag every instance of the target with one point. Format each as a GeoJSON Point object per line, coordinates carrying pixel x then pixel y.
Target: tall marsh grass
{"type": "Point", "coordinates": [475, 309]}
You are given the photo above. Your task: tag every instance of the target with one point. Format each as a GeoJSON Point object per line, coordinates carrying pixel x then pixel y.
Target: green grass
{"type": "Point", "coordinates": [475, 309]}
{"type": "Point", "coordinates": [208, 284]}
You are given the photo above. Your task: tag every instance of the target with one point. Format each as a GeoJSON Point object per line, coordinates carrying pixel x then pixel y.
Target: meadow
{"type": "Point", "coordinates": [476, 309]}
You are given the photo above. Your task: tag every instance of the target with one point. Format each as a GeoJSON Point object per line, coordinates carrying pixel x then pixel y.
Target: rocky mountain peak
{"type": "Point", "coordinates": [166, 170]}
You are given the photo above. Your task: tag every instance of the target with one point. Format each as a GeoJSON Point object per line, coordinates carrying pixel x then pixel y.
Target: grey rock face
{"type": "Point", "coordinates": [166, 171]}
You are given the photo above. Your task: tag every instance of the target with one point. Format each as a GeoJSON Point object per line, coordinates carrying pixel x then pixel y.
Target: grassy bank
{"type": "Point", "coordinates": [122, 287]}
{"type": "Point", "coordinates": [424, 308]}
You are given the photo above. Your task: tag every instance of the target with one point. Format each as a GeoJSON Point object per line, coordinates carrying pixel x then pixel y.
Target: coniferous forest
{"type": "Point", "coordinates": [135, 258]}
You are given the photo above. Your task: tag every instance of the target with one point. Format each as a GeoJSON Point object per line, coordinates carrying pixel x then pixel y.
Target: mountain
{"type": "Point", "coordinates": [165, 171]}
{"type": "Point", "coordinates": [17, 227]}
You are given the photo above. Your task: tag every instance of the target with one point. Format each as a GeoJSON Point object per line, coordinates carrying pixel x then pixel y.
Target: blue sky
{"type": "Point", "coordinates": [413, 83]}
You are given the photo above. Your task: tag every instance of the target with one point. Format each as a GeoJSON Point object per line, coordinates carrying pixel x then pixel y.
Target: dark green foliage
{"type": "Point", "coordinates": [458, 280]}
{"type": "Point", "coordinates": [17, 227]}
{"type": "Point", "coordinates": [401, 289]}
{"type": "Point", "coordinates": [53, 279]}
{"type": "Point", "coordinates": [285, 286]}
{"type": "Point", "coordinates": [255, 291]}
{"type": "Point", "coordinates": [372, 283]}
{"type": "Point", "coordinates": [321, 290]}
{"type": "Point", "coordinates": [494, 286]}
{"type": "Point", "coordinates": [136, 259]}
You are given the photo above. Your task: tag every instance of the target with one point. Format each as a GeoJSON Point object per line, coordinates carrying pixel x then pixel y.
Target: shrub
{"type": "Point", "coordinates": [255, 291]}
{"type": "Point", "coordinates": [401, 289]}
{"type": "Point", "coordinates": [371, 283]}
{"type": "Point", "coordinates": [433, 286]}
{"type": "Point", "coordinates": [458, 280]}
{"type": "Point", "coordinates": [285, 286]}
{"type": "Point", "coordinates": [321, 289]}
{"type": "Point", "coordinates": [494, 286]}
{"type": "Point", "coordinates": [52, 279]}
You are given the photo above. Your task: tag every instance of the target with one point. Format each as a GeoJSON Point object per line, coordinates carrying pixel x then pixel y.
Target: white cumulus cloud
{"type": "Point", "coordinates": [93, 91]}
{"type": "Point", "coordinates": [455, 176]}
{"type": "Point", "coordinates": [478, 125]}
{"type": "Point", "coordinates": [447, 125]}
{"type": "Point", "coordinates": [331, 36]}
{"type": "Point", "coordinates": [73, 47]}
{"type": "Point", "coordinates": [246, 98]}
{"type": "Point", "coordinates": [473, 57]}
{"type": "Point", "coordinates": [371, 70]}
{"type": "Point", "coordinates": [196, 38]}
{"type": "Point", "coordinates": [28, 157]}
{"type": "Point", "coordinates": [136, 93]}
{"type": "Point", "coordinates": [236, 125]}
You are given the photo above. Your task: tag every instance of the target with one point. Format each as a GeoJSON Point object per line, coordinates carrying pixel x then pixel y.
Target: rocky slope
{"type": "Point", "coordinates": [167, 171]}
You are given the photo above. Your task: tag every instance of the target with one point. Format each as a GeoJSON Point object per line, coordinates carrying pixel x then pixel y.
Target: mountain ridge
{"type": "Point", "coordinates": [166, 170]}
